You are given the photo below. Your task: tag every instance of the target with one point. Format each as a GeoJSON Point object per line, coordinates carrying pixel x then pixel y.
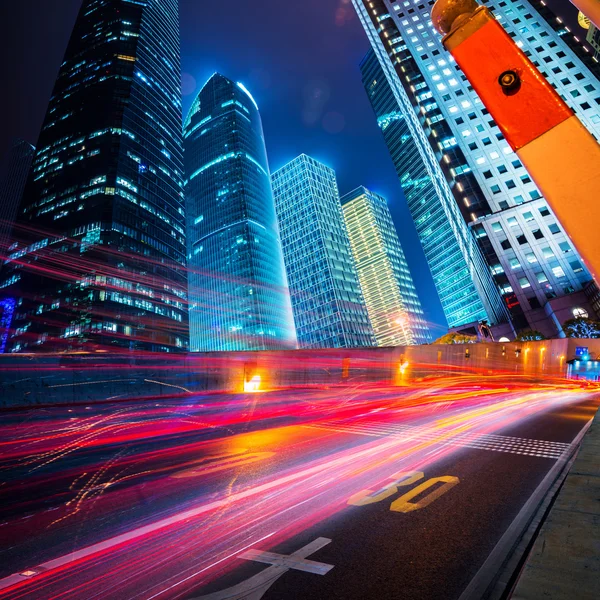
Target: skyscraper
{"type": "Point", "coordinates": [466, 290]}
{"type": "Point", "coordinates": [463, 152]}
{"type": "Point", "coordinates": [328, 304]}
{"type": "Point", "coordinates": [101, 247]}
{"type": "Point", "coordinates": [15, 174]}
{"type": "Point", "coordinates": [386, 283]}
{"type": "Point", "coordinates": [239, 299]}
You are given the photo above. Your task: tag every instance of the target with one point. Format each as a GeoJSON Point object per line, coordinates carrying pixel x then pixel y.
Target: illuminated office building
{"type": "Point", "coordinates": [100, 257]}
{"type": "Point", "coordinates": [14, 178]}
{"type": "Point", "coordinates": [461, 158]}
{"type": "Point", "coordinates": [327, 301]}
{"type": "Point", "coordinates": [239, 299]}
{"type": "Point", "coordinates": [386, 283]}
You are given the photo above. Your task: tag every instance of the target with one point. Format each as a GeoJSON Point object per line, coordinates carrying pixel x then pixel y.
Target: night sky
{"type": "Point", "coordinates": [299, 59]}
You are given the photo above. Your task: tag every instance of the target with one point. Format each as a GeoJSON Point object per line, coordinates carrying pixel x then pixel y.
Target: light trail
{"type": "Point", "coordinates": [218, 477]}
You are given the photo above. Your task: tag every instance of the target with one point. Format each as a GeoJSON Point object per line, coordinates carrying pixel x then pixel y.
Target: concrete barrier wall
{"type": "Point", "coordinates": [27, 380]}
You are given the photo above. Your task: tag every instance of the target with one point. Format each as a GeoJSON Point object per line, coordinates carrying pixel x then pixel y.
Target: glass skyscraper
{"type": "Point", "coordinates": [239, 299]}
{"type": "Point", "coordinates": [328, 304]}
{"type": "Point", "coordinates": [14, 178]}
{"type": "Point", "coordinates": [387, 285]}
{"type": "Point", "coordinates": [463, 153]}
{"type": "Point", "coordinates": [100, 256]}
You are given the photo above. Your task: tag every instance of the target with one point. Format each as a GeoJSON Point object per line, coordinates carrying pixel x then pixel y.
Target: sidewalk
{"type": "Point", "coordinates": [564, 563]}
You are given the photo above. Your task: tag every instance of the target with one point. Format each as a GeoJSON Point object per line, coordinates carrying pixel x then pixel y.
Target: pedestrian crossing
{"type": "Point", "coordinates": [491, 442]}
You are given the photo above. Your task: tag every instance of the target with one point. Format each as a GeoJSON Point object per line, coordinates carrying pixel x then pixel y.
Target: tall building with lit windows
{"type": "Point", "coordinates": [16, 170]}
{"type": "Point", "coordinates": [328, 305]}
{"type": "Point", "coordinates": [390, 296]}
{"type": "Point", "coordinates": [99, 259]}
{"type": "Point", "coordinates": [464, 157]}
{"type": "Point", "coordinates": [239, 299]}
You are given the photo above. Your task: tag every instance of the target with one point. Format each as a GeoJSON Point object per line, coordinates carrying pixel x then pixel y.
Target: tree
{"type": "Point", "coordinates": [456, 338]}
{"type": "Point", "coordinates": [529, 335]}
{"type": "Point", "coordinates": [581, 328]}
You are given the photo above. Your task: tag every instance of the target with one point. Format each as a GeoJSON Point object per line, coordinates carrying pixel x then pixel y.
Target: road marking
{"type": "Point", "coordinates": [491, 442]}
{"type": "Point", "coordinates": [365, 497]}
{"type": "Point", "coordinates": [404, 504]}
{"type": "Point", "coordinates": [255, 587]}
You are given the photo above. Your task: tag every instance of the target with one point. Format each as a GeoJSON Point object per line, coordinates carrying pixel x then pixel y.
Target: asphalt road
{"type": "Point", "coordinates": [381, 492]}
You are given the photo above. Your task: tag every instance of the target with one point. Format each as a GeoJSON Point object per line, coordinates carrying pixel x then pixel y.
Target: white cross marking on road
{"type": "Point", "coordinates": [255, 587]}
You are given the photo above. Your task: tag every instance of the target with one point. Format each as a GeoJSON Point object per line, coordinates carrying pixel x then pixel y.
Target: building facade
{"type": "Point", "coordinates": [390, 296]}
{"type": "Point", "coordinates": [239, 298]}
{"type": "Point", "coordinates": [16, 170]}
{"type": "Point", "coordinates": [100, 252]}
{"type": "Point", "coordinates": [466, 290]}
{"type": "Point", "coordinates": [525, 248]}
{"type": "Point", "coordinates": [328, 305]}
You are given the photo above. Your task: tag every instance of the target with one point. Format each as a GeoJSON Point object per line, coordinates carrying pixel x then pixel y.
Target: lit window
{"type": "Point", "coordinates": [558, 272]}
{"type": "Point", "coordinates": [580, 313]}
{"type": "Point", "coordinates": [524, 282]}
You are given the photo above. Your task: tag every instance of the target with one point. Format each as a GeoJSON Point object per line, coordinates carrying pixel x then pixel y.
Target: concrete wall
{"type": "Point", "coordinates": [27, 380]}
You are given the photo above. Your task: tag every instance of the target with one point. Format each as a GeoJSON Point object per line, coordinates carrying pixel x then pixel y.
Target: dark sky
{"type": "Point", "coordinates": [286, 53]}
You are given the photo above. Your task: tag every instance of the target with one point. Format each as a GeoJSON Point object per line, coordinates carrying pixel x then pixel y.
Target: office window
{"type": "Point", "coordinates": [524, 282]}
{"type": "Point", "coordinates": [541, 277]}
{"type": "Point", "coordinates": [531, 257]}
{"type": "Point", "coordinates": [554, 228]}
{"type": "Point", "coordinates": [514, 263]}
{"type": "Point", "coordinates": [558, 272]}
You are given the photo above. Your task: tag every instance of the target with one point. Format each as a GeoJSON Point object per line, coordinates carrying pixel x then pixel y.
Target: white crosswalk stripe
{"type": "Point", "coordinates": [492, 442]}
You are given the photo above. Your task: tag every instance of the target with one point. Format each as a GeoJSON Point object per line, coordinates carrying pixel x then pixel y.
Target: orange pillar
{"type": "Point", "coordinates": [562, 157]}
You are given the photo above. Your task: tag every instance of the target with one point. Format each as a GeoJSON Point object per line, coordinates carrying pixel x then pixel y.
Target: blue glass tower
{"type": "Point", "coordinates": [100, 258]}
{"type": "Point", "coordinates": [328, 304]}
{"type": "Point", "coordinates": [239, 299]}
{"type": "Point", "coordinates": [464, 285]}
{"type": "Point", "coordinates": [467, 164]}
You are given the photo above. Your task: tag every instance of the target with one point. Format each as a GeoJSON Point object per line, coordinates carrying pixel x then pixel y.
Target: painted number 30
{"type": "Point", "coordinates": [404, 504]}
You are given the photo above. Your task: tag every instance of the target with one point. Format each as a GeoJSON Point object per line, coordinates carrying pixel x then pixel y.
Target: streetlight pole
{"type": "Point", "coordinates": [561, 155]}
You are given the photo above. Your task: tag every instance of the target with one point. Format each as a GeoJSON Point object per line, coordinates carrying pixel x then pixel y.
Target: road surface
{"type": "Point", "coordinates": [348, 492]}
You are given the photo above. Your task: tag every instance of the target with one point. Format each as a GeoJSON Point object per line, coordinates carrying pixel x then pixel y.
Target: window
{"type": "Point", "coordinates": [534, 302]}
{"type": "Point", "coordinates": [541, 277]}
{"type": "Point", "coordinates": [518, 199]}
{"type": "Point", "coordinates": [497, 227]}
{"type": "Point", "coordinates": [497, 269]}
{"type": "Point", "coordinates": [547, 252]}
{"type": "Point", "coordinates": [510, 184]}
{"type": "Point", "coordinates": [558, 272]}
{"type": "Point", "coordinates": [505, 245]}
{"type": "Point", "coordinates": [512, 221]}
{"type": "Point", "coordinates": [528, 216]}
{"type": "Point", "coordinates": [524, 282]}
{"type": "Point", "coordinates": [521, 239]}
{"type": "Point", "coordinates": [531, 258]}
{"type": "Point", "coordinates": [487, 174]}
{"type": "Point", "coordinates": [580, 313]}
{"type": "Point", "coordinates": [495, 189]}
{"type": "Point", "coordinates": [516, 164]}
{"type": "Point", "coordinates": [576, 266]}
{"type": "Point", "coordinates": [537, 234]}
{"type": "Point", "coordinates": [534, 195]}
{"type": "Point", "coordinates": [514, 263]}
{"type": "Point", "coordinates": [525, 179]}
{"type": "Point", "coordinates": [502, 169]}
{"type": "Point", "coordinates": [565, 247]}
{"type": "Point", "coordinates": [544, 211]}
{"type": "Point", "coordinates": [554, 228]}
